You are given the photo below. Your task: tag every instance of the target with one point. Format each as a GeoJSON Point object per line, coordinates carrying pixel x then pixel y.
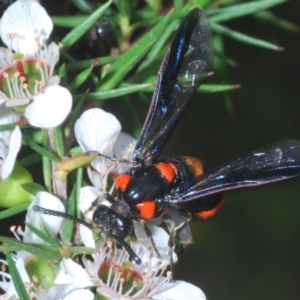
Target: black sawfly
{"type": "Point", "coordinates": [154, 184]}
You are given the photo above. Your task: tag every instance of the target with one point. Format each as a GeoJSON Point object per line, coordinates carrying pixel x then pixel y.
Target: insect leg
{"type": "Point", "coordinates": [131, 253]}
{"type": "Point", "coordinates": [150, 236]}
{"type": "Point", "coordinates": [116, 160]}
{"type": "Point", "coordinates": [168, 219]}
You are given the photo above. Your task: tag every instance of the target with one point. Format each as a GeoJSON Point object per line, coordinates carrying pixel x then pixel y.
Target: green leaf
{"type": "Point", "coordinates": [67, 227]}
{"type": "Point", "coordinates": [125, 8]}
{"type": "Point", "coordinates": [31, 159]}
{"type": "Point", "coordinates": [79, 178]}
{"type": "Point", "coordinates": [39, 149]}
{"type": "Point", "coordinates": [68, 21]}
{"type": "Point", "coordinates": [243, 37]}
{"type": "Point", "coordinates": [270, 18]}
{"type": "Point", "coordinates": [82, 5]}
{"type": "Point", "coordinates": [78, 161]}
{"type": "Point", "coordinates": [69, 125]}
{"type": "Point", "coordinates": [88, 63]}
{"type": "Point", "coordinates": [33, 188]}
{"type": "Point", "coordinates": [83, 27]}
{"type": "Point", "coordinates": [13, 211]}
{"type": "Point", "coordinates": [157, 47]}
{"type": "Point", "coordinates": [9, 126]}
{"type": "Point", "coordinates": [129, 59]}
{"type": "Point", "coordinates": [157, 5]}
{"type": "Point", "coordinates": [47, 173]}
{"type": "Point", "coordinates": [80, 79]}
{"type": "Point", "coordinates": [45, 236]}
{"type": "Point", "coordinates": [80, 250]}
{"type": "Point", "coordinates": [75, 151]}
{"type": "Point", "coordinates": [47, 168]}
{"type": "Point", "coordinates": [16, 278]}
{"type": "Point", "coordinates": [216, 88]}
{"type": "Point", "coordinates": [98, 96]}
{"type": "Point", "coordinates": [132, 117]}
{"type": "Point", "coordinates": [59, 141]}
{"type": "Point", "coordinates": [240, 10]}
{"type": "Point", "coordinates": [31, 248]}
{"type": "Point", "coordinates": [62, 72]}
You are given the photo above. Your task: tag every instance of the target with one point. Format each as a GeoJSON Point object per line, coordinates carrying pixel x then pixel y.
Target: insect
{"type": "Point", "coordinates": [154, 184]}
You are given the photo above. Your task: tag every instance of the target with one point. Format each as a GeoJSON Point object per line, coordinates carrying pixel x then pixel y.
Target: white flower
{"type": "Point", "coordinates": [117, 278]}
{"type": "Point", "coordinates": [27, 65]}
{"type": "Point", "coordinates": [7, 116]}
{"type": "Point", "coordinates": [8, 155]}
{"type": "Point", "coordinates": [49, 109]}
{"type": "Point", "coordinates": [70, 282]}
{"type": "Point", "coordinates": [124, 148]}
{"type": "Point", "coordinates": [51, 223]}
{"type": "Point", "coordinates": [160, 238]}
{"type": "Point", "coordinates": [25, 26]}
{"type": "Point", "coordinates": [97, 130]}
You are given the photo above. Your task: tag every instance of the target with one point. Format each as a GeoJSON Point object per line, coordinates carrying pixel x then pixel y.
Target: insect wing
{"type": "Point", "coordinates": [275, 162]}
{"type": "Point", "coordinates": [186, 64]}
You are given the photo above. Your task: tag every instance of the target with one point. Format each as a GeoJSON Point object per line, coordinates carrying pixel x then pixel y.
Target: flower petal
{"type": "Point", "coordinates": [79, 295]}
{"type": "Point", "coordinates": [49, 109]}
{"type": "Point", "coordinates": [89, 194]}
{"type": "Point", "coordinates": [52, 223]}
{"type": "Point", "coordinates": [7, 116]}
{"type": "Point", "coordinates": [11, 291]}
{"type": "Point", "coordinates": [99, 177]}
{"type": "Point", "coordinates": [180, 290]}
{"type": "Point", "coordinates": [72, 273]}
{"type": "Point", "coordinates": [52, 57]}
{"type": "Point", "coordinates": [6, 57]}
{"type": "Point", "coordinates": [63, 291]}
{"type": "Point", "coordinates": [87, 237]}
{"type": "Point", "coordinates": [160, 238]}
{"type": "Point", "coordinates": [3, 155]}
{"type": "Point", "coordinates": [124, 148]}
{"type": "Point", "coordinates": [24, 26]}
{"type": "Point", "coordinates": [97, 130]}
{"type": "Point", "coordinates": [13, 149]}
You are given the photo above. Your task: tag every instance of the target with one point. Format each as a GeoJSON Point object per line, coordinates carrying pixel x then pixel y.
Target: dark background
{"type": "Point", "coordinates": [250, 250]}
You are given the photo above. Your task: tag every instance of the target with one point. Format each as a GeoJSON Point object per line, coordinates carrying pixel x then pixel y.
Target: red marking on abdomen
{"type": "Point", "coordinates": [147, 209]}
{"type": "Point", "coordinates": [206, 214]}
{"type": "Point", "coordinates": [122, 182]}
{"type": "Point", "coordinates": [167, 170]}
{"type": "Point", "coordinates": [196, 164]}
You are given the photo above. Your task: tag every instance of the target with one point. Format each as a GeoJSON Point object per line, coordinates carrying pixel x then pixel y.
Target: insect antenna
{"type": "Point", "coordinates": [117, 160]}
{"type": "Point", "coordinates": [45, 211]}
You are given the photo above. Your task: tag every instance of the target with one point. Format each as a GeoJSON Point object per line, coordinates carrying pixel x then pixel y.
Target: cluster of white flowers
{"type": "Point", "coordinates": [27, 64]}
{"type": "Point", "coordinates": [29, 91]}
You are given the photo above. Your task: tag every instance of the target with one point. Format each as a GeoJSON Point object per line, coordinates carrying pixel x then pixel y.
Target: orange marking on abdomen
{"type": "Point", "coordinates": [168, 170]}
{"type": "Point", "coordinates": [147, 209]}
{"type": "Point", "coordinates": [206, 214]}
{"type": "Point", "coordinates": [197, 165]}
{"type": "Point", "coordinates": [122, 182]}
